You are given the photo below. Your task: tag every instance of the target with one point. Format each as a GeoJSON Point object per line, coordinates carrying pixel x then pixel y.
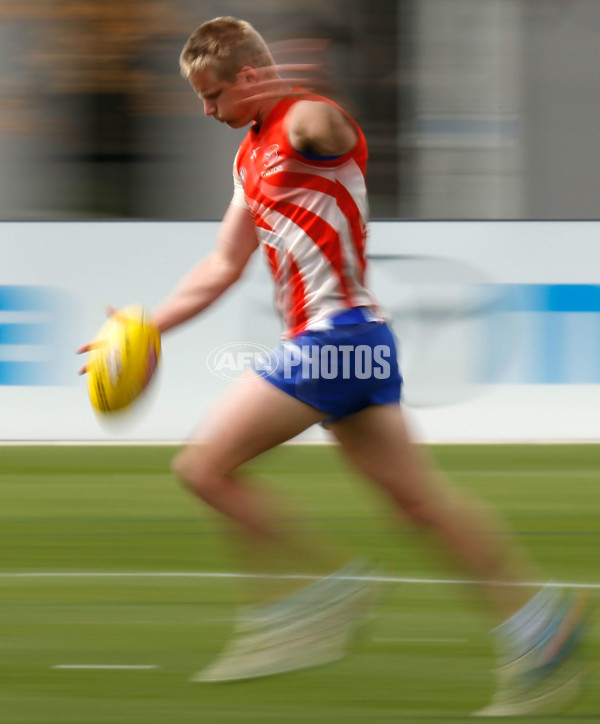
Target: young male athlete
{"type": "Point", "coordinates": [300, 196]}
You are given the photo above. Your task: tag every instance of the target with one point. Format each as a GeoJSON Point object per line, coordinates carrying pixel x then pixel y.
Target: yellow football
{"type": "Point", "coordinates": [124, 357]}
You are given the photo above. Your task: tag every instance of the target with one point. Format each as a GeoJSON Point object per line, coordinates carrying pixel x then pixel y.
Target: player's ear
{"type": "Point", "coordinates": [248, 74]}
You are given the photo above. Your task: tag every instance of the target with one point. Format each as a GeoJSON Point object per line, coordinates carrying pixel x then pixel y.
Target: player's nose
{"type": "Point", "coordinates": [210, 107]}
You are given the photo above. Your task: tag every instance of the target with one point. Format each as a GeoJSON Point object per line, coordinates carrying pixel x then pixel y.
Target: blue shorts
{"type": "Point", "coordinates": [340, 370]}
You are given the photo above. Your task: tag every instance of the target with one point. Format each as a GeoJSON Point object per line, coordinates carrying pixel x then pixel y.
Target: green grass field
{"type": "Point", "coordinates": [425, 656]}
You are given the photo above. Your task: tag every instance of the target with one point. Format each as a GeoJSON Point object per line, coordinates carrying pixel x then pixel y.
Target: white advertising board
{"type": "Point", "coordinates": [498, 325]}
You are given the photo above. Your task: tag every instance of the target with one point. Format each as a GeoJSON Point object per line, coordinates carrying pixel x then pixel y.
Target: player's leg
{"type": "Point", "coordinates": [376, 440]}
{"type": "Point", "coordinates": [539, 636]}
{"type": "Point", "coordinates": [253, 417]}
{"type": "Point", "coordinates": [286, 632]}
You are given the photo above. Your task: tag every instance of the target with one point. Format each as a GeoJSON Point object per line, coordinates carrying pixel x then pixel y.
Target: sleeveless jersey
{"type": "Point", "coordinates": [311, 218]}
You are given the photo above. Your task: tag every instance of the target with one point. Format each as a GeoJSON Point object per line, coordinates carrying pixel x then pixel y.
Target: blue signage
{"type": "Point", "coordinates": [543, 334]}
{"type": "Point", "coordinates": [29, 339]}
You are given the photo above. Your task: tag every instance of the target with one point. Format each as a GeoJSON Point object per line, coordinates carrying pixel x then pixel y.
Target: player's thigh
{"type": "Point", "coordinates": [378, 442]}
{"type": "Point", "coordinates": [252, 417]}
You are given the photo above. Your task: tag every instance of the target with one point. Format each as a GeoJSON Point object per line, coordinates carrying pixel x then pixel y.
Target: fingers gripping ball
{"type": "Point", "coordinates": [124, 357]}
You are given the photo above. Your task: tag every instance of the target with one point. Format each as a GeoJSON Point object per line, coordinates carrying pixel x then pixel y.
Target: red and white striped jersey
{"type": "Point", "coordinates": [311, 220]}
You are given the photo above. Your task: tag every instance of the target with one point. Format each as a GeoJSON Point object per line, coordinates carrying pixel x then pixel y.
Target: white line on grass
{"type": "Point", "coordinates": [455, 442]}
{"type": "Point", "coordinates": [420, 641]}
{"type": "Point", "coordinates": [299, 577]}
{"type": "Point", "coordinates": [106, 666]}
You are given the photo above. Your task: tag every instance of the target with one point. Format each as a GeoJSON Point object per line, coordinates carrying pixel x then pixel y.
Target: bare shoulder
{"type": "Point", "coordinates": [320, 129]}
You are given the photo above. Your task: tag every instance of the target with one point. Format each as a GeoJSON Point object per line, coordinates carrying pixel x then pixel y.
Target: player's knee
{"type": "Point", "coordinates": [181, 468]}
{"type": "Point", "coordinates": [191, 468]}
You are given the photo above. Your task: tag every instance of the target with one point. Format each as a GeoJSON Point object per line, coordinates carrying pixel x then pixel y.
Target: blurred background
{"type": "Point", "coordinates": [474, 109]}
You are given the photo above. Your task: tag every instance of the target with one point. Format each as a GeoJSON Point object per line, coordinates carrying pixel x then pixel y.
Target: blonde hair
{"type": "Point", "coordinates": [224, 45]}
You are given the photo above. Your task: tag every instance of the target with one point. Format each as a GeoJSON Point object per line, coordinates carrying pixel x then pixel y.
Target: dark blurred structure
{"type": "Point", "coordinates": [561, 108]}
{"type": "Point", "coordinates": [472, 108]}
{"type": "Point", "coordinates": [77, 78]}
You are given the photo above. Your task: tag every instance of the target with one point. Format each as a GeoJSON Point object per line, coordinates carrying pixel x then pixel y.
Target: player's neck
{"type": "Point", "coordinates": [268, 104]}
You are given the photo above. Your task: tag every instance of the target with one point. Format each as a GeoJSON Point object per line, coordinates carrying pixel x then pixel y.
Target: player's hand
{"type": "Point", "coordinates": [89, 346]}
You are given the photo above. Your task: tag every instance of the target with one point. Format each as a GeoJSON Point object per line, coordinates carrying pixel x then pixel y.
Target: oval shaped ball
{"type": "Point", "coordinates": [124, 358]}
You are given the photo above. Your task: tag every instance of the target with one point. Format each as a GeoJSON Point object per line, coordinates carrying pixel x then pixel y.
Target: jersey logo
{"type": "Point", "coordinates": [272, 170]}
{"type": "Point", "coordinates": [271, 155]}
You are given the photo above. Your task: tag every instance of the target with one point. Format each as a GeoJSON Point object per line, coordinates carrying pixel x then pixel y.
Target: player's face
{"type": "Point", "coordinates": [222, 100]}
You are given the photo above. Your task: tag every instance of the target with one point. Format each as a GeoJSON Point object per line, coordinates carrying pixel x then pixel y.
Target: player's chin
{"type": "Point", "coordinates": [238, 122]}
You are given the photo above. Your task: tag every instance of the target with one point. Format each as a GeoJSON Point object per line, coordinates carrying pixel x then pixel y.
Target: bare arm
{"type": "Point", "coordinates": [214, 274]}
{"type": "Point", "coordinates": [320, 129]}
